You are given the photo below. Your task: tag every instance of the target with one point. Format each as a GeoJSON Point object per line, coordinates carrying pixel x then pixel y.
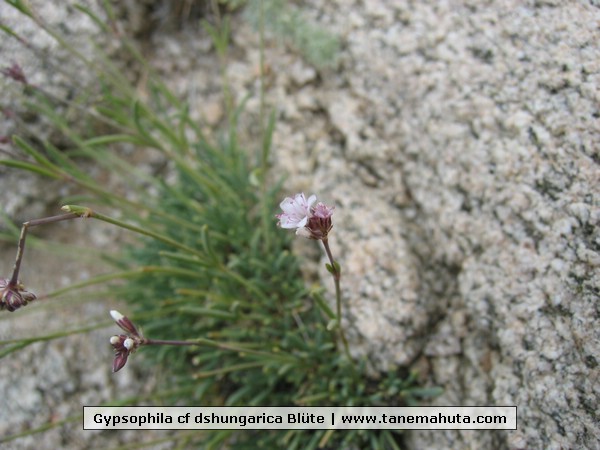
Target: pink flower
{"type": "Point", "coordinates": [319, 225]}
{"type": "Point", "coordinates": [296, 211]}
{"type": "Point", "coordinates": [322, 211]}
{"type": "Point", "coordinates": [310, 222]}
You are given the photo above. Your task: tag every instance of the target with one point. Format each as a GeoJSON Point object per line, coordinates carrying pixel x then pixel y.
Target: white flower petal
{"type": "Point", "coordinates": [304, 232]}
{"type": "Point", "coordinates": [302, 223]}
{"type": "Point", "coordinates": [116, 315]}
{"type": "Point", "coordinates": [296, 211]}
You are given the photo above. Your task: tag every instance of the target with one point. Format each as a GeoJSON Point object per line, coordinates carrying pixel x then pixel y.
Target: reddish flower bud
{"type": "Point", "coordinates": [15, 72]}
{"type": "Point", "coordinates": [310, 222]}
{"type": "Point", "coordinates": [124, 344]}
{"type": "Point", "coordinates": [124, 323]}
{"type": "Point", "coordinates": [319, 225]}
{"type": "Point", "coordinates": [13, 297]}
{"type": "Point", "coordinates": [119, 361]}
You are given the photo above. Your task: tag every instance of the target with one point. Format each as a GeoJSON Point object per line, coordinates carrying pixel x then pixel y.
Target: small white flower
{"type": "Point", "coordinates": [296, 211]}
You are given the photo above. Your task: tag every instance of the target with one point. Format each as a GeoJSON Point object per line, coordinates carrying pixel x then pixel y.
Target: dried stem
{"type": "Point", "coordinates": [21, 247]}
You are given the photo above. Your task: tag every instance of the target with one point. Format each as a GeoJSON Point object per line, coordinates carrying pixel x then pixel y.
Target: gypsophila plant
{"type": "Point", "coordinates": [210, 278]}
{"type": "Point", "coordinates": [315, 223]}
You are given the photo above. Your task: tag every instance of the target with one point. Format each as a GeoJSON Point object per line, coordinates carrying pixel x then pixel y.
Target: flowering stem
{"type": "Point", "coordinates": [21, 247]}
{"type": "Point", "coordinates": [83, 211]}
{"type": "Point", "coordinates": [336, 273]}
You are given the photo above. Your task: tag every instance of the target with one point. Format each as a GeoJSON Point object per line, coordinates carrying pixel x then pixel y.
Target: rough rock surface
{"type": "Point", "coordinates": [459, 142]}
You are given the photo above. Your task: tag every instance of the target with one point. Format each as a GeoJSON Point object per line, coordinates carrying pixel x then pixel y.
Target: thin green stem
{"type": "Point", "coordinates": [336, 273]}
{"type": "Point", "coordinates": [87, 212]}
{"type": "Point", "coordinates": [263, 164]}
{"type": "Point", "coordinates": [261, 49]}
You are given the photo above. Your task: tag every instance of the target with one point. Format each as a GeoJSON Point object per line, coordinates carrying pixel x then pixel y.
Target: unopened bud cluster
{"type": "Point", "coordinates": [15, 72]}
{"type": "Point", "coordinates": [124, 344]}
{"type": "Point", "coordinates": [14, 296]}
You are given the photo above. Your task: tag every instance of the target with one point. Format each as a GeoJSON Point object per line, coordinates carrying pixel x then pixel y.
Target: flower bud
{"type": "Point", "coordinates": [119, 361]}
{"type": "Point", "coordinates": [124, 323]}
{"type": "Point", "coordinates": [13, 297]}
{"type": "Point", "coordinates": [15, 72]}
{"type": "Point", "coordinates": [118, 342]}
{"type": "Point", "coordinates": [129, 344]}
{"type": "Point", "coordinates": [320, 223]}
{"type": "Point", "coordinates": [124, 344]}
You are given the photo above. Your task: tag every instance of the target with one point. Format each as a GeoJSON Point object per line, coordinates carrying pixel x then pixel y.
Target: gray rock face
{"type": "Point", "coordinates": [459, 142]}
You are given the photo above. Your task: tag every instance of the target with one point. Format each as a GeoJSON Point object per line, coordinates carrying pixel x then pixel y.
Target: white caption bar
{"type": "Point", "coordinates": [300, 418]}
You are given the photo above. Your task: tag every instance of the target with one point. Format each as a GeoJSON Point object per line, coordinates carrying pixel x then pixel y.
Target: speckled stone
{"type": "Point", "coordinates": [460, 145]}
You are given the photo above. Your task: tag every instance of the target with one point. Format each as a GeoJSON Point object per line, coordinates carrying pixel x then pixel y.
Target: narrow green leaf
{"type": "Point", "coordinates": [322, 304]}
{"type": "Point", "coordinates": [99, 22]}
{"type": "Point", "coordinates": [207, 312]}
{"type": "Point", "coordinates": [21, 6]}
{"type": "Point", "coordinates": [268, 140]}
{"type": "Point", "coordinates": [333, 324]}
{"type": "Point", "coordinates": [329, 268]}
{"type": "Point", "coordinates": [35, 154]}
{"type": "Point", "coordinates": [29, 167]}
{"type": "Point", "coordinates": [111, 139]}
{"type": "Point", "coordinates": [429, 392]}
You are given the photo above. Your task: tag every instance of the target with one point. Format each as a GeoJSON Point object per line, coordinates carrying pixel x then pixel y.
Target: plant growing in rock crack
{"type": "Point", "coordinates": [315, 223]}
{"type": "Point", "coordinates": [210, 278]}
